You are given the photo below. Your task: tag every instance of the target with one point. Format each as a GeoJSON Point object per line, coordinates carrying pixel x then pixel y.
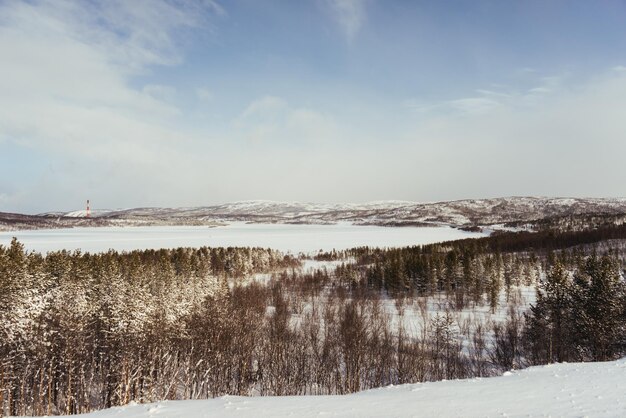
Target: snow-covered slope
{"type": "Point", "coordinates": [456, 213]}
{"type": "Point", "coordinates": [520, 211]}
{"type": "Point", "coordinates": [569, 390]}
{"type": "Point", "coordinates": [83, 213]}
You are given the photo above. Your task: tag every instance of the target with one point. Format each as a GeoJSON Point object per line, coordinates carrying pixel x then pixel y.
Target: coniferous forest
{"type": "Point", "coordinates": [81, 332]}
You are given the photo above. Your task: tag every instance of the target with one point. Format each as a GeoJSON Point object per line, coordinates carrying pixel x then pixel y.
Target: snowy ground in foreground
{"type": "Point", "coordinates": [293, 238]}
{"type": "Point", "coordinates": [573, 390]}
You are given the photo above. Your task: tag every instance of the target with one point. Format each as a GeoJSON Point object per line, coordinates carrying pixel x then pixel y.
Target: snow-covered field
{"type": "Point", "coordinates": [569, 390]}
{"type": "Point", "coordinates": [293, 238]}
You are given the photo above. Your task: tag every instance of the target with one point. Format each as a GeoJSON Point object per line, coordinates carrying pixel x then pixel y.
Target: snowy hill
{"type": "Point", "coordinates": [460, 213]}
{"type": "Point", "coordinates": [569, 390]}
{"type": "Point", "coordinates": [455, 213]}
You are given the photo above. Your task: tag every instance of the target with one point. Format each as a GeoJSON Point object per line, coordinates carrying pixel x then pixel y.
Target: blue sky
{"type": "Point", "coordinates": [183, 103]}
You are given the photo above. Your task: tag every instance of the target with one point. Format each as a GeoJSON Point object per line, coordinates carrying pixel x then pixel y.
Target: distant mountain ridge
{"type": "Point", "coordinates": [458, 213]}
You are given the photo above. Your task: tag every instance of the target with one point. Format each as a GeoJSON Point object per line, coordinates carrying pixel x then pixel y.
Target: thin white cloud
{"type": "Point", "coordinates": [492, 93]}
{"type": "Point", "coordinates": [68, 66]}
{"type": "Point", "coordinates": [567, 142]}
{"type": "Point", "coordinates": [67, 75]}
{"type": "Point", "coordinates": [539, 90]}
{"type": "Point", "coordinates": [70, 79]}
{"type": "Point", "coordinates": [271, 120]}
{"type": "Point", "coordinates": [160, 91]}
{"type": "Point", "coordinates": [264, 107]}
{"type": "Point", "coordinates": [488, 100]}
{"type": "Point", "coordinates": [350, 15]}
{"type": "Point", "coordinates": [474, 104]}
{"type": "Point", "coordinates": [204, 94]}
{"type": "Point", "coordinates": [216, 7]}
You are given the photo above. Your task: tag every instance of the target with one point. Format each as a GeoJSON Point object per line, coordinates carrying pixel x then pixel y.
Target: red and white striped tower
{"type": "Point", "coordinates": [88, 210]}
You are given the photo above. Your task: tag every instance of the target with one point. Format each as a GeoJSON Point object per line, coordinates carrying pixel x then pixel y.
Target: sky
{"type": "Point", "coordinates": [197, 102]}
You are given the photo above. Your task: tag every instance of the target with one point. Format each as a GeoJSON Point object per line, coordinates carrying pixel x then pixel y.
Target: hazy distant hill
{"type": "Point", "coordinates": [514, 211]}
{"type": "Point", "coordinates": [457, 213]}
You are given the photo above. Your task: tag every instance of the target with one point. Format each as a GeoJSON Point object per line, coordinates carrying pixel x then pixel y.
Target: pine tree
{"type": "Point", "coordinates": [598, 309]}
{"type": "Point", "coordinates": [548, 322]}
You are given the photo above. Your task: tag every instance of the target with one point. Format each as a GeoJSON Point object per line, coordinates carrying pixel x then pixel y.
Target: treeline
{"type": "Point", "coordinates": [465, 276]}
{"type": "Point", "coordinates": [580, 315]}
{"type": "Point", "coordinates": [573, 222]}
{"type": "Point", "coordinates": [550, 240]}
{"type": "Point", "coordinates": [80, 332]}
{"type": "Point", "coordinates": [539, 243]}
{"type": "Point", "coordinates": [73, 325]}
{"type": "Point", "coordinates": [468, 269]}
{"type": "Point", "coordinates": [85, 332]}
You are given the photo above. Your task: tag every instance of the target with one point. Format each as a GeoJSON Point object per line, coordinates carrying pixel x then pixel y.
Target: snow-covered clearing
{"type": "Point", "coordinates": [292, 238]}
{"type": "Point", "coordinates": [412, 314]}
{"type": "Point", "coordinates": [569, 390]}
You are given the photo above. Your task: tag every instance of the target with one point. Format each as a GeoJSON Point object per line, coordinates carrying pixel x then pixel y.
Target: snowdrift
{"type": "Point", "coordinates": [577, 389]}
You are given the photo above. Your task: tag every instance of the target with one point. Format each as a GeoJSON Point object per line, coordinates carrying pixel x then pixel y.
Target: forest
{"type": "Point", "coordinates": [82, 332]}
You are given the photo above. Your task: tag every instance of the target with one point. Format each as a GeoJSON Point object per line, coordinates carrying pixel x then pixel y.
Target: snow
{"type": "Point", "coordinates": [569, 390]}
{"type": "Point", "coordinates": [293, 238]}
{"type": "Point", "coordinates": [413, 318]}
{"type": "Point", "coordinates": [83, 213]}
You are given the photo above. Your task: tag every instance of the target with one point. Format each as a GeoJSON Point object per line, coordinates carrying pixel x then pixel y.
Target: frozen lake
{"type": "Point", "coordinates": [293, 238]}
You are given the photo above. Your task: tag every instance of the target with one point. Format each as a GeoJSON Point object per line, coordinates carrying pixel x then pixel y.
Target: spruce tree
{"type": "Point", "coordinates": [549, 316]}
{"type": "Point", "coordinates": [598, 309]}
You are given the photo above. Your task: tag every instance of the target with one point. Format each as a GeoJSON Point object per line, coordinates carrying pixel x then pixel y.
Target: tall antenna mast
{"type": "Point", "coordinates": [88, 210]}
